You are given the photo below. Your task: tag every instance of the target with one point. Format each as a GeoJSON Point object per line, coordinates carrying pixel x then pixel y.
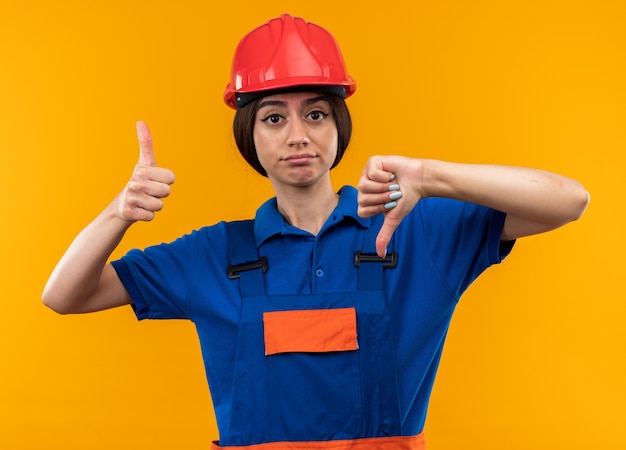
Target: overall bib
{"type": "Point", "coordinates": [312, 371]}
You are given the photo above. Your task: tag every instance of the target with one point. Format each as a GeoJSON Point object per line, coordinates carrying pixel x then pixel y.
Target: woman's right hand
{"type": "Point", "coordinates": [149, 184]}
{"type": "Point", "coordinates": [82, 281]}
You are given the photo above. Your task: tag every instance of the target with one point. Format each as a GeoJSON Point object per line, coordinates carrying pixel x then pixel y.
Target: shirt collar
{"type": "Point", "coordinates": [269, 222]}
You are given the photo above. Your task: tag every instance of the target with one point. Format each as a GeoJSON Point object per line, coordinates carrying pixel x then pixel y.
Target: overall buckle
{"type": "Point", "coordinates": [234, 271]}
{"type": "Point", "coordinates": [389, 261]}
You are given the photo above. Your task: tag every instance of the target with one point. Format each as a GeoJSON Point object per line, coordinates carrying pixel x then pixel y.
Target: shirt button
{"type": "Point", "coordinates": [319, 273]}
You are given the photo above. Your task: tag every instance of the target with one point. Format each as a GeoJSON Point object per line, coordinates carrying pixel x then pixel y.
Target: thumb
{"type": "Point", "coordinates": [146, 152]}
{"type": "Point", "coordinates": [384, 236]}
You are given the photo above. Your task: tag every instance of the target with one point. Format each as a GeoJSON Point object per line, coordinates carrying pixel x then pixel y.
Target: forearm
{"type": "Point", "coordinates": [535, 200]}
{"type": "Point", "coordinates": [77, 278]}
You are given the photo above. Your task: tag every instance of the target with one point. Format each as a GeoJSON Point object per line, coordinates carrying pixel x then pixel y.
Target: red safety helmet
{"type": "Point", "coordinates": [287, 52]}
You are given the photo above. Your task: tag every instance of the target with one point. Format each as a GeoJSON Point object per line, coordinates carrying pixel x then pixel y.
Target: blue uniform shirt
{"type": "Point", "coordinates": [442, 246]}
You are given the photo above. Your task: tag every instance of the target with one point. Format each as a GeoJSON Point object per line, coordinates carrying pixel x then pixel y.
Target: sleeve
{"type": "Point", "coordinates": [463, 239]}
{"type": "Point", "coordinates": [157, 278]}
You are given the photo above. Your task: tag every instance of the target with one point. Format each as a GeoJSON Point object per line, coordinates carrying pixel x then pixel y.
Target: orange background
{"type": "Point", "coordinates": [535, 356]}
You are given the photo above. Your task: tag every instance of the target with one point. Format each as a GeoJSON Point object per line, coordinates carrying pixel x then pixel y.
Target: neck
{"type": "Point", "coordinates": [307, 208]}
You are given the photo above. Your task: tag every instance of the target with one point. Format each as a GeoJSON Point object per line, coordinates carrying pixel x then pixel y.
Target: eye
{"type": "Point", "coordinates": [272, 119]}
{"type": "Point", "coordinates": [316, 115]}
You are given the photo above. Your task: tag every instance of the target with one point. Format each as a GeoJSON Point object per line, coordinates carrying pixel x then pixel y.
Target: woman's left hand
{"type": "Point", "coordinates": [389, 185]}
{"type": "Point", "coordinates": [534, 201]}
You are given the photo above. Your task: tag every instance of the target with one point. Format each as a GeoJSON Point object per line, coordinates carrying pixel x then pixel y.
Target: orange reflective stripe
{"type": "Point", "coordinates": [380, 443]}
{"type": "Point", "coordinates": [311, 330]}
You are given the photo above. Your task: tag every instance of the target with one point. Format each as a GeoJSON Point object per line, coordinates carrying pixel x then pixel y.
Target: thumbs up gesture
{"type": "Point", "coordinates": [148, 186]}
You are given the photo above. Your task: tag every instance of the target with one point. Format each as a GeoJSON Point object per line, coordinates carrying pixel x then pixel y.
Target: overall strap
{"type": "Point", "coordinates": [244, 262]}
{"type": "Point", "coordinates": [371, 265]}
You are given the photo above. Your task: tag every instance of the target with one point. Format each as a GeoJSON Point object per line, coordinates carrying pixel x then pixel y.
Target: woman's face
{"type": "Point", "coordinates": [295, 136]}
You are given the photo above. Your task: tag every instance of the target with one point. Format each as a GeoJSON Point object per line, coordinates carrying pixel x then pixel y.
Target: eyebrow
{"type": "Point", "coordinates": [306, 102]}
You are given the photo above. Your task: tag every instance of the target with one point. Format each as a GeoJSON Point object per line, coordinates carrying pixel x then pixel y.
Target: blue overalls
{"type": "Point", "coordinates": [332, 385]}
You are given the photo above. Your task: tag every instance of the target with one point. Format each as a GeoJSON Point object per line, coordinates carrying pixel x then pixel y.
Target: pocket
{"type": "Point", "coordinates": [313, 330]}
{"type": "Point", "coordinates": [312, 363]}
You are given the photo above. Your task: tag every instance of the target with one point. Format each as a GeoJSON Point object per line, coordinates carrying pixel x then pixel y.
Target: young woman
{"type": "Point", "coordinates": [322, 320]}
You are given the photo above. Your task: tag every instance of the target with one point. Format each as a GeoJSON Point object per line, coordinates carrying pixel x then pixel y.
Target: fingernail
{"type": "Point", "coordinates": [394, 187]}
{"type": "Point", "coordinates": [139, 126]}
{"type": "Point", "coordinates": [392, 177]}
{"type": "Point", "coordinates": [385, 254]}
{"type": "Point", "coordinates": [395, 195]}
{"type": "Point", "coordinates": [391, 205]}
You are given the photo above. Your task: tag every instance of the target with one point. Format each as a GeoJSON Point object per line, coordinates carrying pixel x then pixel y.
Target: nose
{"type": "Point", "coordinates": [297, 133]}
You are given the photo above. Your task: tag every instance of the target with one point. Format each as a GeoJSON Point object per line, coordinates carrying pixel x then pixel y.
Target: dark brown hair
{"type": "Point", "coordinates": [243, 129]}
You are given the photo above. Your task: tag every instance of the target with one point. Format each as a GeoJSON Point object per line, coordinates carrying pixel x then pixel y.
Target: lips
{"type": "Point", "coordinates": [297, 159]}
